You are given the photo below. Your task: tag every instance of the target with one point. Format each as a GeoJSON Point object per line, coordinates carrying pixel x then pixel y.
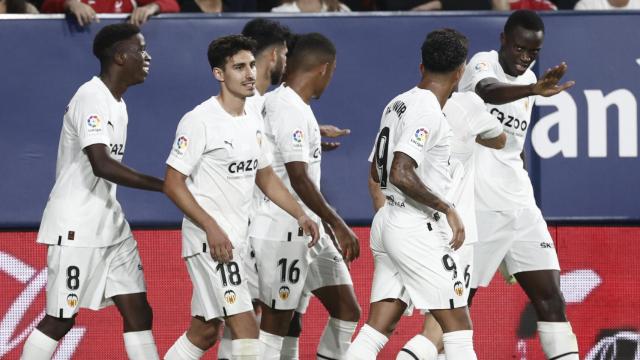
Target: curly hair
{"type": "Point", "coordinates": [221, 49]}
{"type": "Point", "coordinates": [107, 38]}
{"type": "Point", "coordinates": [526, 19]}
{"type": "Point", "coordinates": [444, 50]}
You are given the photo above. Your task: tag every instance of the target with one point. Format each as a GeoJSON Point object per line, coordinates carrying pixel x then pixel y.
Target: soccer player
{"type": "Point", "coordinates": [217, 160]}
{"type": "Point", "coordinates": [413, 246]}
{"type": "Point", "coordinates": [286, 267]}
{"type": "Point", "coordinates": [510, 225]}
{"type": "Point", "coordinates": [92, 257]}
{"type": "Point", "coordinates": [471, 123]}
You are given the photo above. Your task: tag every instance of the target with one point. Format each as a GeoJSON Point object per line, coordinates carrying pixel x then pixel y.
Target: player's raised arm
{"type": "Point", "coordinates": [271, 185]}
{"type": "Point", "coordinates": [104, 166]}
{"type": "Point", "coordinates": [175, 188]}
{"type": "Point", "coordinates": [404, 177]}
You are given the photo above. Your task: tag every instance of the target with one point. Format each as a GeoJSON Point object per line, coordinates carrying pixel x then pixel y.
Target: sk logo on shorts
{"type": "Point", "coordinates": [284, 293]}
{"type": "Point", "coordinates": [458, 288]}
{"type": "Point", "coordinates": [230, 297]}
{"type": "Point", "coordinates": [72, 300]}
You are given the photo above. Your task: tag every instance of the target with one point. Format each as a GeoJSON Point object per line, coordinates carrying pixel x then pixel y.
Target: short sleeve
{"type": "Point", "coordinates": [266, 152]}
{"type": "Point", "coordinates": [188, 146]}
{"type": "Point", "coordinates": [292, 135]}
{"type": "Point", "coordinates": [90, 119]}
{"type": "Point", "coordinates": [480, 67]}
{"type": "Point", "coordinates": [481, 122]}
{"type": "Point", "coordinates": [415, 135]}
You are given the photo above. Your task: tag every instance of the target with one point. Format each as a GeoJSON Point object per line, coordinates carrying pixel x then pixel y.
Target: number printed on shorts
{"type": "Point", "coordinates": [294, 272]}
{"type": "Point", "coordinates": [450, 265]}
{"type": "Point", "coordinates": [232, 270]}
{"type": "Point", "coordinates": [73, 277]}
{"type": "Point", "coordinates": [467, 276]}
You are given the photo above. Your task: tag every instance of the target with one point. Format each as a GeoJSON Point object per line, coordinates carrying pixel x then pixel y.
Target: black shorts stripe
{"type": "Point", "coordinates": [61, 314]}
{"type": "Point", "coordinates": [451, 304]}
{"type": "Point", "coordinates": [429, 226]}
{"type": "Point", "coordinates": [288, 236]}
{"type": "Point", "coordinates": [273, 304]}
{"type": "Point", "coordinates": [224, 310]}
{"type": "Point", "coordinates": [563, 355]}
{"type": "Point", "coordinates": [59, 239]}
{"type": "Point", "coordinates": [410, 353]}
{"type": "Point", "coordinates": [320, 356]}
{"type": "Point", "coordinates": [204, 247]}
{"type": "Point", "coordinates": [300, 231]}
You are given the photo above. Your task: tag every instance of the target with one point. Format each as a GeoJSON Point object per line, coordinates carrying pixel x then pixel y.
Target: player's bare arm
{"type": "Point", "coordinates": [311, 196]}
{"type": "Point", "coordinates": [495, 92]}
{"type": "Point", "coordinates": [404, 177]}
{"type": "Point", "coordinates": [377, 197]}
{"type": "Point", "coordinates": [497, 142]}
{"type": "Point", "coordinates": [104, 166]}
{"type": "Point", "coordinates": [271, 185]}
{"type": "Point", "coordinates": [175, 188]}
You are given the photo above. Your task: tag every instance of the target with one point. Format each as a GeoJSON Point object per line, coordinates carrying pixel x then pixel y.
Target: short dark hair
{"type": "Point", "coordinates": [444, 50]}
{"type": "Point", "coordinates": [525, 19]}
{"type": "Point", "coordinates": [225, 47]}
{"type": "Point", "coordinates": [106, 39]}
{"type": "Point", "coordinates": [266, 32]}
{"type": "Point", "coordinates": [310, 50]}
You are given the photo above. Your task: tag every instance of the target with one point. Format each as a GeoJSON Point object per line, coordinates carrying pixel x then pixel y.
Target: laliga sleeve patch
{"type": "Point", "coordinates": [481, 66]}
{"type": "Point", "coordinates": [297, 137]}
{"type": "Point", "coordinates": [181, 145]}
{"type": "Point", "coordinates": [420, 137]}
{"type": "Point", "coordinates": [94, 124]}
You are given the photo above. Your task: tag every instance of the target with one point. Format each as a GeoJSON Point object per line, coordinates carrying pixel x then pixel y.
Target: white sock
{"type": "Point", "coordinates": [246, 349]}
{"type": "Point", "coordinates": [140, 345]}
{"type": "Point", "coordinates": [290, 348]}
{"type": "Point", "coordinates": [272, 345]}
{"type": "Point", "coordinates": [336, 338]}
{"type": "Point", "coordinates": [183, 349]}
{"type": "Point", "coordinates": [441, 357]}
{"type": "Point", "coordinates": [38, 346]}
{"type": "Point", "coordinates": [367, 344]}
{"type": "Point", "coordinates": [419, 347]}
{"type": "Point", "coordinates": [224, 350]}
{"type": "Point", "coordinates": [458, 345]}
{"type": "Point", "coordinates": [558, 340]}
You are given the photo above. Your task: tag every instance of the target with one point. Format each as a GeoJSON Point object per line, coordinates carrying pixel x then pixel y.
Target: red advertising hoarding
{"type": "Point", "coordinates": [600, 268]}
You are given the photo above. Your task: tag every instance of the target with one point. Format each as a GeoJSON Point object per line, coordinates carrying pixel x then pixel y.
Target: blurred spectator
{"type": "Point", "coordinates": [296, 6]}
{"type": "Point", "coordinates": [415, 5]}
{"type": "Point", "coordinates": [201, 6]}
{"type": "Point", "coordinates": [536, 5]}
{"type": "Point", "coordinates": [360, 5]}
{"type": "Point", "coordinates": [608, 5]}
{"type": "Point", "coordinates": [17, 7]}
{"type": "Point", "coordinates": [85, 10]}
{"type": "Point", "coordinates": [565, 4]}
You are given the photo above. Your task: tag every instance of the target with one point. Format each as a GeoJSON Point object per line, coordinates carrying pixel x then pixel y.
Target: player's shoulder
{"type": "Point", "coordinates": [468, 100]}
{"type": "Point", "coordinates": [529, 76]}
{"type": "Point", "coordinates": [91, 91]}
{"type": "Point", "coordinates": [204, 110]}
{"type": "Point", "coordinates": [487, 57]}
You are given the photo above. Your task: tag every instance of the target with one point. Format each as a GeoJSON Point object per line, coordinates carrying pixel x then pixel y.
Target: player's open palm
{"type": "Point", "coordinates": [310, 228]}
{"type": "Point", "coordinates": [220, 246]}
{"type": "Point", "coordinates": [549, 83]}
{"type": "Point", "coordinates": [455, 222]}
{"type": "Point", "coordinates": [348, 241]}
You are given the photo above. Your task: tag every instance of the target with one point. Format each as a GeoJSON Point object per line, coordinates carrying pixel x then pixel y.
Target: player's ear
{"type": "Point", "coordinates": [274, 55]}
{"type": "Point", "coordinates": [503, 39]}
{"type": "Point", "coordinates": [421, 67]}
{"type": "Point", "coordinates": [324, 68]}
{"type": "Point", "coordinates": [119, 57]}
{"type": "Point", "coordinates": [218, 74]}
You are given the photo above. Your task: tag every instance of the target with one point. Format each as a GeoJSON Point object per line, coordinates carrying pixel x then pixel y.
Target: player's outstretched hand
{"type": "Point", "coordinates": [220, 246]}
{"type": "Point", "coordinates": [141, 14]}
{"type": "Point", "coordinates": [332, 131]}
{"type": "Point", "coordinates": [310, 228]}
{"type": "Point", "coordinates": [348, 241]}
{"type": "Point", "coordinates": [548, 84]}
{"type": "Point", "coordinates": [455, 222]}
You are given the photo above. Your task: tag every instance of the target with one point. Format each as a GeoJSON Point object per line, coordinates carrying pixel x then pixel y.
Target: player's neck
{"type": "Point", "coordinates": [439, 87]}
{"type": "Point", "coordinates": [232, 104]}
{"type": "Point", "coordinates": [302, 85]}
{"type": "Point", "coordinates": [263, 78]}
{"type": "Point", "coordinates": [503, 64]}
{"type": "Point", "coordinates": [113, 83]}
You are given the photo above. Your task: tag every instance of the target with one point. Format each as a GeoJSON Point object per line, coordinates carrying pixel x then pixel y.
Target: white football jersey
{"type": "Point", "coordinates": [468, 118]}
{"type": "Point", "coordinates": [82, 209]}
{"type": "Point", "coordinates": [502, 183]}
{"type": "Point", "coordinates": [220, 154]}
{"type": "Point", "coordinates": [293, 135]}
{"type": "Point", "coordinates": [413, 123]}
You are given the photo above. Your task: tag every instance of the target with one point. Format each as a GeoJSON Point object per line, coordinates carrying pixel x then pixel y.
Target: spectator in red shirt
{"type": "Point", "coordinates": [85, 10]}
